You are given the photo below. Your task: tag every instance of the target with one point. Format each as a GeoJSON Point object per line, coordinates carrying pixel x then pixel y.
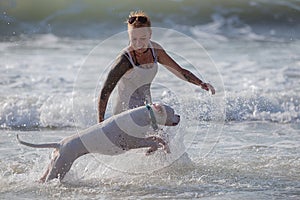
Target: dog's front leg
{"type": "Point", "coordinates": [158, 142]}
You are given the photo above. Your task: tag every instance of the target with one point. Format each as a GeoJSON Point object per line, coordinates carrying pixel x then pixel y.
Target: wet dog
{"type": "Point", "coordinates": [115, 135]}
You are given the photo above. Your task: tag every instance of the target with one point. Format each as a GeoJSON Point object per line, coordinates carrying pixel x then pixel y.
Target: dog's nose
{"type": "Point", "coordinates": [178, 117]}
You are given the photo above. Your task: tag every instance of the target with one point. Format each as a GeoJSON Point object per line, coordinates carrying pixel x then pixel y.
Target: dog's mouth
{"type": "Point", "coordinates": [175, 124]}
{"type": "Point", "coordinates": [176, 121]}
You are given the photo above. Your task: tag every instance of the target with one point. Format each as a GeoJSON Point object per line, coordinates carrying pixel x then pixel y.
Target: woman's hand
{"type": "Point", "coordinates": [208, 87]}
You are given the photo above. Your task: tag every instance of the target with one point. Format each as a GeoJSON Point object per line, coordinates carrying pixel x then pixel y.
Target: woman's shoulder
{"type": "Point", "coordinates": [122, 60]}
{"type": "Point", "coordinates": [156, 45]}
{"type": "Point", "coordinates": [157, 48]}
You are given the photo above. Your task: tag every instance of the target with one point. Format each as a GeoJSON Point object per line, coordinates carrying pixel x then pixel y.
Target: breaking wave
{"type": "Point", "coordinates": [27, 112]}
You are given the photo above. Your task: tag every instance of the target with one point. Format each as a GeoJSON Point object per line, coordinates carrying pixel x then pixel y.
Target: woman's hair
{"type": "Point", "coordinates": [137, 23]}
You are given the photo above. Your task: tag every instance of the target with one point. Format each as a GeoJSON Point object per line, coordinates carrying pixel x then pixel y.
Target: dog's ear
{"type": "Point", "coordinates": [158, 107]}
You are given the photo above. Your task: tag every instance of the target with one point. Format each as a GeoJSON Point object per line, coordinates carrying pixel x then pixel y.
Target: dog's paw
{"type": "Point", "coordinates": [166, 148]}
{"type": "Point", "coordinates": [150, 151]}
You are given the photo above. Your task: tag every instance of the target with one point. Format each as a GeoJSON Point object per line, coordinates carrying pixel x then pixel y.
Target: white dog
{"type": "Point", "coordinates": [120, 133]}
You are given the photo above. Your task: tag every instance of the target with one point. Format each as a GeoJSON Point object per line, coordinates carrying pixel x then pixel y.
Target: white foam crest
{"type": "Point", "coordinates": [252, 105]}
{"type": "Point", "coordinates": [57, 111]}
{"type": "Point", "coordinates": [282, 108]}
{"type": "Point", "coordinates": [19, 112]}
{"type": "Point", "coordinates": [27, 112]}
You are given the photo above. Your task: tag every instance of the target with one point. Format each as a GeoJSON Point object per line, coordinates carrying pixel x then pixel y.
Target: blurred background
{"type": "Point", "coordinates": [91, 18]}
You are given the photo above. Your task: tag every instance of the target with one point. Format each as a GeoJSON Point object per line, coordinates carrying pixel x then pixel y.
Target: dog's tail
{"type": "Point", "coordinates": [47, 145]}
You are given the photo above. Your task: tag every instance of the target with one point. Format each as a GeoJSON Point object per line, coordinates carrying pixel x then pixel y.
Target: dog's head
{"type": "Point", "coordinates": [165, 115]}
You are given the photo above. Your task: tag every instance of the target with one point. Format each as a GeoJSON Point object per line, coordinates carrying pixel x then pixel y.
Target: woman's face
{"type": "Point", "coordinates": [139, 38]}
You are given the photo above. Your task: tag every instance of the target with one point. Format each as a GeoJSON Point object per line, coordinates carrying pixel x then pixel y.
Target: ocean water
{"type": "Point", "coordinates": [242, 143]}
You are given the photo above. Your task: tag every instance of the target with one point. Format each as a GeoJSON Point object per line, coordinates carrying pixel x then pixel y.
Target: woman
{"type": "Point", "coordinates": [136, 67]}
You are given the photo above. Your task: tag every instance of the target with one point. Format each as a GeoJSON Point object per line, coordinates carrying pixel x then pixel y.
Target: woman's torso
{"type": "Point", "coordinates": [134, 87]}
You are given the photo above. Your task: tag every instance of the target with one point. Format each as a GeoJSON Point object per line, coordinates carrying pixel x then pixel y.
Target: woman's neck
{"type": "Point", "coordinates": [140, 52]}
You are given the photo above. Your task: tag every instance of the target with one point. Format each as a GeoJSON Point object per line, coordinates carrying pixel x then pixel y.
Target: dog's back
{"type": "Point", "coordinates": [115, 135]}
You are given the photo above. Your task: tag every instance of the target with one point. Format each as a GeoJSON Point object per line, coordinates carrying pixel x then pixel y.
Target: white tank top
{"type": "Point", "coordinates": [134, 87]}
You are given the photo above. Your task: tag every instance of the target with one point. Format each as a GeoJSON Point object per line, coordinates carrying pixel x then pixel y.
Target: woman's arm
{"type": "Point", "coordinates": [121, 66]}
{"type": "Point", "coordinates": [180, 72]}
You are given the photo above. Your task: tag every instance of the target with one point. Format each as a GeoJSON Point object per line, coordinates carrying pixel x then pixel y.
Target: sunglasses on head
{"type": "Point", "coordinates": [140, 19]}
